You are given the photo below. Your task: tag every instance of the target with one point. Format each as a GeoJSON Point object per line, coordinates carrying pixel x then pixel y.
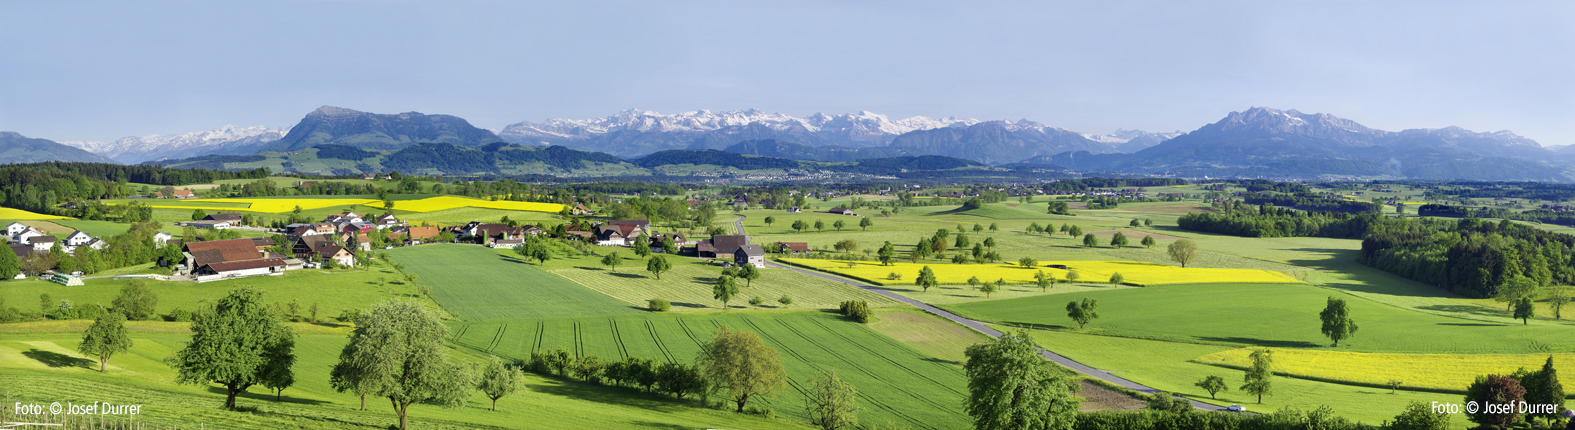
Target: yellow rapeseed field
{"type": "Point", "coordinates": [1451, 372]}
{"type": "Point", "coordinates": [21, 215]}
{"type": "Point", "coordinates": [1134, 272]}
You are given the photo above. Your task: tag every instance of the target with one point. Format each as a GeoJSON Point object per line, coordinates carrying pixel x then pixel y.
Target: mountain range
{"type": "Point", "coordinates": [1257, 142]}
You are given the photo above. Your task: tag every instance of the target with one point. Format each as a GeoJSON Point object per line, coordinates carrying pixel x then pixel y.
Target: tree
{"type": "Point", "coordinates": [1073, 276]}
{"type": "Point", "coordinates": [1135, 223]}
{"type": "Point", "coordinates": [1543, 388]}
{"type": "Point", "coordinates": [1011, 387]}
{"type": "Point", "coordinates": [923, 249]}
{"type": "Point", "coordinates": [1118, 240]}
{"type": "Point", "coordinates": [1212, 384]}
{"type": "Point", "coordinates": [1183, 251]}
{"type": "Point", "coordinates": [973, 282]}
{"type": "Point", "coordinates": [658, 264]}
{"type": "Point", "coordinates": [1495, 390]}
{"type": "Point", "coordinates": [886, 254]}
{"type": "Point", "coordinates": [233, 343]}
{"type": "Point", "coordinates": [10, 266]}
{"type": "Point", "coordinates": [738, 363]}
{"type": "Point", "coordinates": [1090, 241]}
{"type": "Point", "coordinates": [1420, 416]}
{"type": "Point", "coordinates": [1557, 299]}
{"type": "Point", "coordinates": [105, 338]}
{"type": "Point", "coordinates": [1525, 309]}
{"type": "Point", "coordinates": [668, 245]}
{"type": "Point", "coordinates": [1043, 280]}
{"type": "Point", "coordinates": [831, 403]}
{"type": "Point", "coordinates": [989, 242]}
{"type": "Point", "coordinates": [799, 225]}
{"type": "Point", "coordinates": [865, 224]}
{"type": "Point", "coordinates": [726, 287]}
{"type": "Point", "coordinates": [1028, 262]}
{"type": "Point", "coordinates": [820, 226]}
{"type": "Point", "coordinates": [990, 287]}
{"type": "Point", "coordinates": [961, 242]}
{"type": "Point", "coordinates": [1148, 222]}
{"type": "Point", "coordinates": [1084, 312]}
{"type": "Point", "coordinates": [1515, 288]}
{"type": "Point", "coordinates": [839, 225]}
{"type": "Point", "coordinates": [612, 260]}
{"type": "Point", "coordinates": [770, 220]}
{"type": "Point", "coordinates": [1148, 241]}
{"type": "Point", "coordinates": [398, 352]}
{"type": "Point", "coordinates": [498, 380]}
{"type": "Point", "coordinates": [1259, 378]}
{"type": "Point", "coordinates": [1337, 322]}
{"type": "Point", "coordinates": [314, 308]}
{"type": "Point", "coordinates": [1074, 231]}
{"type": "Point", "coordinates": [197, 215]}
{"type": "Point", "coordinates": [1117, 279]}
{"type": "Point", "coordinates": [926, 279]}
{"type": "Point", "coordinates": [137, 301]}
{"type": "Point", "coordinates": [642, 246]}
{"type": "Point", "coordinates": [749, 273]}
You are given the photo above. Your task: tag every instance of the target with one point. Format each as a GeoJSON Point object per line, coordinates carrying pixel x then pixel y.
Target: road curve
{"type": "Point", "coordinates": [978, 326]}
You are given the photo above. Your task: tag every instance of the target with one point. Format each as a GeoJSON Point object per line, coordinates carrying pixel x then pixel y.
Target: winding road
{"type": "Point", "coordinates": [980, 327]}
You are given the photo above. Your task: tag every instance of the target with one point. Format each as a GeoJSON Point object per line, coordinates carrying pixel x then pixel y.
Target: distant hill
{"type": "Point", "coordinates": [16, 148]}
{"type": "Point", "coordinates": [227, 140]}
{"type": "Point", "coordinates": [340, 126]}
{"type": "Point", "coordinates": [714, 158]}
{"type": "Point", "coordinates": [998, 142]}
{"type": "Point", "coordinates": [794, 151]}
{"type": "Point", "coordinates": [422, 158]}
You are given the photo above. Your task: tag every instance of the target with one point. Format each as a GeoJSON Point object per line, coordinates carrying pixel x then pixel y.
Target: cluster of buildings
{"type": "Point", "coordinates": [24, 240]}
{"type": "Point", "coordinates": [216, 260]}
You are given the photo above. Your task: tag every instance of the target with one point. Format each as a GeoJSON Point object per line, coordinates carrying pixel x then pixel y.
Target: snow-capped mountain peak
{"type": "Point", "coordinates": [862, 129]}
{"type": "Point", "coordinates": [228, 139]}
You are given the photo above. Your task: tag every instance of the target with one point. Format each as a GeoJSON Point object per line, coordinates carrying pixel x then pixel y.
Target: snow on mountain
{"type": "Point", "coordinates": [224, 140]}
{"type": "Point", "coordinates": [638, 132]}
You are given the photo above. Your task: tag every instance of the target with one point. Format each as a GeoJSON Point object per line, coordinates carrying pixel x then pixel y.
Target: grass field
{"type": "Point", "coordinates": [43, 367]}
{"type": "Point", "coordinates": [1443, 372]}
{"type": "Point", "coordinates": [333, 291]}
{"type": "Point", "coordinates": [927, 332]}
{"type": "Point", "coordinates": [480, 284]}
{"type": "Point", "coordinates": [1167, 366]}
{"type": "Point", "coordinates": [895, 382]}
{"type": "Point", "coordinates": [688, 286]}
{"type": "Point", "coordinates": [9, 214]}
{"type": "Point", "coordinates": [1134, 272]}
{"type": "Point", "coordinates": [1279, 316]}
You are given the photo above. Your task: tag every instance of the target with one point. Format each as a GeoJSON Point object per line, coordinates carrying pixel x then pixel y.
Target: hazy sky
{"type": "Point", "coordinates": [103, 70]}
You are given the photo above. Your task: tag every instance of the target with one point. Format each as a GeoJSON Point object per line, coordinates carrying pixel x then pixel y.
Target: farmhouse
{"type": "Point", "coordinates": [620, 231]}
{"type": "Point", "coordinates": [793, 247]}
{"type": "Point", "coordinates": [229, 259]}
{"type": "Point", "coordinates": [720, 245]}
{"type": "Point", "coordinates": [40, 243]}
{"type": "Point", "coordinates": [842, 211]}
{"type": "Point", "coordinates": [494, 232]}
{"type": "Point", "coordinates": [231, 217]}
{"type": "Point", "coordinates": [161, 238]}
{"type": "Point", "coordinates": [343, 217]}
{"type": "Point", "coordinates": [385, 221]}
{"type": "Point", "coordinates": [210, 224]}
{"type": "Point", "coordinates": [79, 239]}
{"type": "Point", "coordinates": [421, 234]}
{"type": "Point", "coordinates": [751, 255]}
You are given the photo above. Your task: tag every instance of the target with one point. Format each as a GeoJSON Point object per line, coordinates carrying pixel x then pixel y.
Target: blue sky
{"type": "Point", "coordinates": [103, 70]}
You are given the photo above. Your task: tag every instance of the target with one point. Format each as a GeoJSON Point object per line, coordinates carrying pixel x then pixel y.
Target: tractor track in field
{"type": "Point", "coordinates": [976, 326]}
{"type": "Point", "coordinates": [801, 358]}
{"type": "Point", "coordinates": [660, 346]}
{"type": "Point", "coordinates": [541, 331]}
{"type": "Point", "coordinates": [579, 341]}
{"type": "Point", "coordinates": [854, 364]}
{"type": "Point", "coordinates": [623, 351]}
{"type": "Point", "coordinates": [872, 352]}
{"type": "Point", "coordinates": [497, 338]}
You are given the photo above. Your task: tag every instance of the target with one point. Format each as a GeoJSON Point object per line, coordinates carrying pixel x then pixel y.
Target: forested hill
{"type": "Point", "coordinates": [495, 157]}
{"type": "Point", "coordinates": [715, 158]}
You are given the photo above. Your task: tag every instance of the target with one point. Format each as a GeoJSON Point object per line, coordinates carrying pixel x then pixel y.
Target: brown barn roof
{"type": "Point", "coordinates": [218, 251]}
{"type": "Point", "coordinates": [726, 244]}
{"type": "Point", "coordinates": [418, 233]}
{"type": "Point", "coordinates": [795, 246]}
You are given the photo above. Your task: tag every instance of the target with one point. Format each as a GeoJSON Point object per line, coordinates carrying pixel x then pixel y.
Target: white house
{"type": "Point", "coordinates": [161, 238]}
{"type": "Point", "coordinates": [15, 228]}
{"type": "Point", "coordinates": [40, 243]}
{"type": "Point", "coordinates": [216, 225]}
{"type": "Point", "coordinates": [25, 235]}
{"type": "Point", "coordinates": [77, 238]}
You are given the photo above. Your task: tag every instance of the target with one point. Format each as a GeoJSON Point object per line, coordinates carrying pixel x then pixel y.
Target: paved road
{"type": "Point", "coordinates": [980, 327]}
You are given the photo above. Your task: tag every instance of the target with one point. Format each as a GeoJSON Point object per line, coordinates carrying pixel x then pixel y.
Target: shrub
{"type": "Point", "coordinates": [785, 300]}
{"type": "Point", "coordinates": [180, 315]}
{"type": "Point", "coordinates": [659, 305]}
{"type": "Point", "coordinates": [894, 276]}
{"type": "Point", "coordinates": [757, 301]}
{"type": "Point", "coordinates": [1163, 401]}
{"type": "Point", "coordinates": [857, 310]}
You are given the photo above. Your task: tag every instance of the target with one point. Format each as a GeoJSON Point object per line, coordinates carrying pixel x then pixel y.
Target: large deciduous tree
{"type": "Point", "coordinates": [926, 279]}
{"type": "Point", "coordinates": [105, 338]}
{"type": "Point", "coordinates": [499, 379]}
{"type": "Point", "coordinates": [137, 301]}
{"type": "Point", "coordinates": [398, 351]}
{"type": "Point", "coordinates": [738, 363]}
{"type": "Point", "coordinates": [1337, 322]}
{"type": "Point", "coordinates": [1011, 387]}
{"type": "Point", "coordinates": [1183, 251]}
{"type": "Point", "coordinates": [1084, 312]}
{"type": "Point", "coordinates": [1259, 379]}
{"type": "Point", "coordinates": [658, 264]}
{"type": "Point", "coordinates": [831, 403]}
{"type": "Point", "coordinates": [726, 287]}
{"type": "Point", "coordinates": [1495, 390]}
{"type": "Point", "coordinates": [237, 342]}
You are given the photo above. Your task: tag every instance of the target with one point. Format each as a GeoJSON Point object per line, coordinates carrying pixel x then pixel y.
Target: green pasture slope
{"type": "Point", "coordinates": [1272, 315]}
{"type": "Point", "coordinates": [895, 382]}
{"type": "Point", "coordinates": [480, 284]}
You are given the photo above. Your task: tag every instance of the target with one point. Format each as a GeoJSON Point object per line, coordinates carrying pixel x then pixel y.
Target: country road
{"type": "Point", "coordinates": [980, 327]}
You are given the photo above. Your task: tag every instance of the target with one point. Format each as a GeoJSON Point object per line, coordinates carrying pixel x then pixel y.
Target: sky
{"type": "Point", "coordinates": [104, 70]}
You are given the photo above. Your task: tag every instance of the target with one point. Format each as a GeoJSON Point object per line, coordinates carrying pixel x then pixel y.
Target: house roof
{"type": "Point", "coordinates": [184, 193]}
{"type": "Point", "coordinates": [41, 239]}
{"type": "Point", "coordinates": [314, 243]}
{"type": "Point", "coordinates": [332, 250]}
{"type": "Point", "coordinates": [227, 216]}
{"type": "Point", "coordinates": [795, 246]}
{"type": "Point", "coordinates": [21, 251]}
{"type": "Point", "coordinates": [210, 222]}
{"type": "Point", "coordinates": [726, 244]}
{"type": "Point", "coordinates": [418, 233]}
{"type": "Point", "coordinates": [750, 250]}
{"type": "Point", "coordinates": [219, 251]}
{"type": "Point", "coordinates": [262, 241]}
{"type": "Point", "coordinates": [244, 265]}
